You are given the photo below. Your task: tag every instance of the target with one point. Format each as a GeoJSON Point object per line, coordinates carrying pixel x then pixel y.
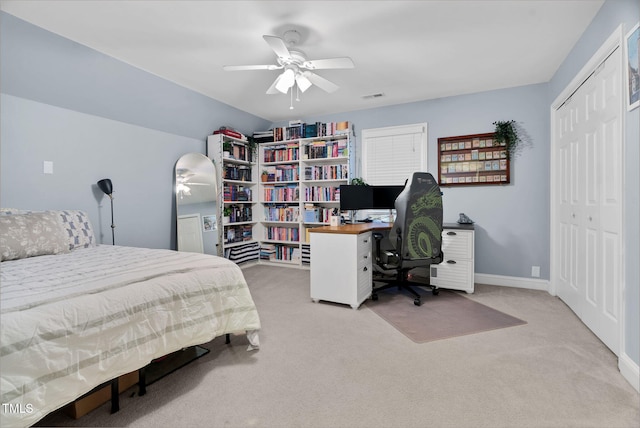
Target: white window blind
{"type": "Point", "coordinates": [390, 155]}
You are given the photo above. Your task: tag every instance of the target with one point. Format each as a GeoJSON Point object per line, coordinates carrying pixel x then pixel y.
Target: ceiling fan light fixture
{"type": "Point", "coordinates": [303, 82]}
{"type": "Point", "coordinates": [286, 81]}
{"type": "Point", "coordinates": [183, 189]}
{"type": "Point", "coordinates": [296, 66]}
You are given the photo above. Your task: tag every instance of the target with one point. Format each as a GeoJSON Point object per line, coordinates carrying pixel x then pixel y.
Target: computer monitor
{"type": "Point", "coordinates": [355, 197]}
{"type": "Point", "coordinates": [384, 197]}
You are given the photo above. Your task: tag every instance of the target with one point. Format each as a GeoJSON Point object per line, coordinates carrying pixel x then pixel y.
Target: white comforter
{"type": "Point", "coordinates": [73, 321]}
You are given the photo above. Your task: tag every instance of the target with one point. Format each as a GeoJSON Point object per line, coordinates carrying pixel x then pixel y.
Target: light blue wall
{"type": "Point", "coordinates": [95, 117]}
{"type": "Point", "coordinates": [41, 66]}
{"type": "Point", "coordinates": [85, 148]}
{"type": "Point", "coordinates": [611, 15]}
{"type": "Point", "coordinates": [512, 221]}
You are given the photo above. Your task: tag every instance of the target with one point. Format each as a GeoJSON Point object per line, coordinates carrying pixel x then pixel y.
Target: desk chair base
{"type": "Point", "coordinates": [402, 283]}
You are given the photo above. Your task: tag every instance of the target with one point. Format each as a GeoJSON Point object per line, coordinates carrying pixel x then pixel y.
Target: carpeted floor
{"type": "Point", "coordinates": [324, 365]}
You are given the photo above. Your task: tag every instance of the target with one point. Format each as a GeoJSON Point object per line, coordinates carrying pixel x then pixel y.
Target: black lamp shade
{"type": "Point", "coordinates": [106, 186]}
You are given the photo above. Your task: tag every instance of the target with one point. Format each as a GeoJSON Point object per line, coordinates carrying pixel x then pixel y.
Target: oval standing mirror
{"type": "Point", "coordinates": [196, 207]}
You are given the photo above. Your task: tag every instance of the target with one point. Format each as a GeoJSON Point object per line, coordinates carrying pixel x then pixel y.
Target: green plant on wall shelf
{"type": "Point", "coordinates": [507, 133]}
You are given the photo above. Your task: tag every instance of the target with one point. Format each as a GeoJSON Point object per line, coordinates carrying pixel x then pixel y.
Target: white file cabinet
{"type": "Point", "coordinates": [456, 272]}
{"type": "Point", "coordinates": [341, 267]}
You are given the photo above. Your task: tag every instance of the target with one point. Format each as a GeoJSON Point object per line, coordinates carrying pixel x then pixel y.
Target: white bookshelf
{"type": "Point", "coordinates": [300, 175]}
{"type": "Point", "coordinates": [237, 180]}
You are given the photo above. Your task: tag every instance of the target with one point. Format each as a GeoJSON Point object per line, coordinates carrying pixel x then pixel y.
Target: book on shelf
{"type": "Point", "coordinates": [282, 213]}
{"type": "Point", "coordinates": [341, 128]}
{"type": "Point", "coordinates": [235, 172]}
{"type": "Point", "coordinates": [263, 136]}
{"type": "Point", "coordinates": [230, 132]}
{"type": "Point", "coordinates": [310, 215]}
{"type": "Point", "coordinates": [297, 131]}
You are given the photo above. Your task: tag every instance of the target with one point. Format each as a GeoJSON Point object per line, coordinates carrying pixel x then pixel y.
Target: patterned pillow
{"type": "Point", "coordinates": [78, 227]}
{"type": "Point", "coordinates": [29, 235]}
{"type": "Point", "coordinates": [13, 211]}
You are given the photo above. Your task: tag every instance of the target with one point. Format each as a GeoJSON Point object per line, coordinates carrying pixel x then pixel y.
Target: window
{"type": "Point", "coordinates": [390, 155]}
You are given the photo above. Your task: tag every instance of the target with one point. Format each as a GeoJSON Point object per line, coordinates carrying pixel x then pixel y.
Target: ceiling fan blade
{"type": "Point", "coordinates": [272, 89]}
{"type": "Point", "coordinates": [323, 64]}
{"type": "Point", "coordinates": [250, 67]}
{"type": "Point", "coordinates": [321, 82]}
{"type": "Point", "coordinates": [278, 46]}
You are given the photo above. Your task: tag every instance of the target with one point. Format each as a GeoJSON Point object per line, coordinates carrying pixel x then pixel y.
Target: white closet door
{"type": "Point", "coordinates": [190, 234]}
{"type": "Point", "coordinates": [588, 171]}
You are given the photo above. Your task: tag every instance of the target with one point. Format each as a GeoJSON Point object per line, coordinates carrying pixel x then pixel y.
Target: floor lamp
{"type": "Point", "coordinates": [106, 186]}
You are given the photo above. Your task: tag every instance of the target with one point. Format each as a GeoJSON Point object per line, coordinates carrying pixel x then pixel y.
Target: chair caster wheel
{"type": "Point", "coordinates": [435, 291]}
{"type": "Point", "coordinates": [374, 297]}
{"type": "Point", "coordinates": [417, 302]}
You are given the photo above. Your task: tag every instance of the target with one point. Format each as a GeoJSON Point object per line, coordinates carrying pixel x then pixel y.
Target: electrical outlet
{"type": "Point", "coordinates": [47, 167]}
{"type": "Point", "coordinates": [535, 271]}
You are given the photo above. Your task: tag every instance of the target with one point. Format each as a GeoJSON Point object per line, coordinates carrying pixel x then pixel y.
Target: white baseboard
{"type": "Point", "coordinates": [629, 370]}
{"type": "Point", "coordinates": [512, 281]}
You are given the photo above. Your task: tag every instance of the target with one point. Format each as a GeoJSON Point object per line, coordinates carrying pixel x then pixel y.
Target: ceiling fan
{"type": "Point", "coordinates": [183, 175]}
{"type": "Point", "coordinates": [298, 70]}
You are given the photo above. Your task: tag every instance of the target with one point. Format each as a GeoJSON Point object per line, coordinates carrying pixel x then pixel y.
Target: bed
{"type": "Point", "coordinates": [75, 315]}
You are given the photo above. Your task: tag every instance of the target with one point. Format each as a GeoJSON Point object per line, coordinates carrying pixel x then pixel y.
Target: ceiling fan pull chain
{"type": "Point", "coordinates": [291, 104]}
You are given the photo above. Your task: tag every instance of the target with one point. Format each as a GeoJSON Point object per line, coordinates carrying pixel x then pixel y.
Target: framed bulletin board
{"type": "Point", "coordinates": [472, 160]}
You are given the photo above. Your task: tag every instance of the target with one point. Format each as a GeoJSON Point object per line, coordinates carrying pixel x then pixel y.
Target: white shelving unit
{"type": "Point", "coordinates": [237, 174]}
{"type": "Point", "coordinates": [301, 192]}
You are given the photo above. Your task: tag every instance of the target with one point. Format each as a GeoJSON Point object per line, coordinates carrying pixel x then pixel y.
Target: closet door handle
{"type": "Point", "coordinates": [451, 233]}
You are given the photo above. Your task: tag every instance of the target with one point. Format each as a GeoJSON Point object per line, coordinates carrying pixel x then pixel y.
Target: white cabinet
{"type": "Point", "coordinates": [456, 272]}
{"type": "Point", "coordinates": [341, 268]}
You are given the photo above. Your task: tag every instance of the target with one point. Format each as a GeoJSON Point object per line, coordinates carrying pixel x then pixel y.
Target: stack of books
{"type": "Point", "coordinates": [230, 132]}
{"type": "Point", "coordinates": [263, 136]}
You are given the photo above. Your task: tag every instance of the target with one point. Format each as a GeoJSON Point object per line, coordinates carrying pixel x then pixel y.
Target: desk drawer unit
{"type": "Point", "coordinates": [457, 270]}
{"type": "Point", "coordinates": [342, 274]}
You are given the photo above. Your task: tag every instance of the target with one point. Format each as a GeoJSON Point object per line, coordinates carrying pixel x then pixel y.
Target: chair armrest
{"type": "Point", "coordinates": [378, 238]}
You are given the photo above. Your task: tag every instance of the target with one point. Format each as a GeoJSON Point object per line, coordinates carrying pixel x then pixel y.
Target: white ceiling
{"type": "Point", "coordinates": [406, 50]}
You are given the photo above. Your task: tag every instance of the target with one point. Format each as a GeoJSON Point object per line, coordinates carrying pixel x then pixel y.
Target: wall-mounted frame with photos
{"type": "Point", "coordinates": [472, 160]}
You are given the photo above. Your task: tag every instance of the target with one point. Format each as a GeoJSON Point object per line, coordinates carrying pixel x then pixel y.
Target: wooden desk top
{"type": "Point", "coordinates": [351, 229]}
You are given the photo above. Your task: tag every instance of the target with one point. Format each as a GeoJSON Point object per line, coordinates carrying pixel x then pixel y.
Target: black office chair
{"type": "Point", "coordinates": [416, 236]}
